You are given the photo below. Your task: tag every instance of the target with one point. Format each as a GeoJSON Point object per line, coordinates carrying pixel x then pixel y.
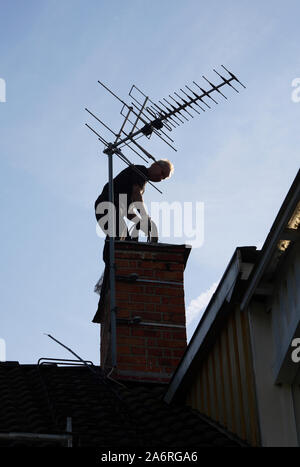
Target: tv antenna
{"type": "Point", "coordinates": [144, 117]}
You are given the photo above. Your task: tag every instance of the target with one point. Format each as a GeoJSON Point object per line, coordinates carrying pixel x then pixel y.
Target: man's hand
{"type": "Point", "coordinates": [138, 201]}
{"type": "Point", "coordinates": [142, 221]}
{"type": "Point", "coordinates": [145, 224]}
{"type": "Point", "coordinates": [153, 232]}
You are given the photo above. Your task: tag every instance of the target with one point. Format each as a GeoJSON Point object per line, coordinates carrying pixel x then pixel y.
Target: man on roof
{"type": "Point", "coordinates": [129, 187]}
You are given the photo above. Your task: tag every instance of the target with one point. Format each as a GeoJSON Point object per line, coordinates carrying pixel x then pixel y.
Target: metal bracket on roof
{"type": "Point", "coordinates": [133, 321]}
{"type": "Point", "coordinates": [138, 320]}
{"type": "Point", "coordinates": [136, 278]}
{"type": "Point", "coordinates": [62, 361]}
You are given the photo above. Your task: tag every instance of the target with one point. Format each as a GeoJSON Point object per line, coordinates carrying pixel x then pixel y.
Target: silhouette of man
{"type": "Point", "coordinates": [129, 187]}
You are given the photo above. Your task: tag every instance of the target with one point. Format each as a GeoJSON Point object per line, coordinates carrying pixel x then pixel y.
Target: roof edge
{"type": "Point", "coordinates": [285, 213]}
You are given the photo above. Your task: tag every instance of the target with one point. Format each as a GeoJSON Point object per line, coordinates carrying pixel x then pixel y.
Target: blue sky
{"type": "Point", "coordinates": [240, 158]}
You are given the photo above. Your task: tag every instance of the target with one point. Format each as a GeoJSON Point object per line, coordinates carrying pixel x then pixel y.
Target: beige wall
{"type": "Point", "coordinates": [275, 402]}
{"type": "Point", "coordinates": [223, 386]}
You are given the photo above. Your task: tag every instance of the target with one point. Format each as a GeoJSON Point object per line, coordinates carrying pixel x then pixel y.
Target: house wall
{"type": "Point", "coordinates": [285, 305]}
{"type": "Point", "coordinates": [274, 401]}
{"type": "Point", "coordinates": [296, 401]}
{"type": "Point", "coordinates": [223, 387]}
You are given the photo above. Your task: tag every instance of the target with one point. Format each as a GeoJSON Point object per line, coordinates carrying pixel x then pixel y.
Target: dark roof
{"type": "Point", "coordinates": [39, 398]}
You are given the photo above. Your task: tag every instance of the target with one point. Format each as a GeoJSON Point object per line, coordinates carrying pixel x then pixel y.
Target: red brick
{"type": "Point", "coordinates": [165, 362]}
{"type": "Point", "coordinates": [179, 334]}
{"type": "Point", "coordinates": [170, 308]}
{"type": "Point", "coordinates": [130, 341]}
{"type": "Point", "coordinates": [150, 289]}
{"type": "Point", "coordinates": [154, 299]}
{"type": "Point", "coordinates": [169, 370]}
{"type": "Point", "coordinates": [167, 335]}
{"type": "Point", "coordinates": [123, 313]}
{"type": "Point", "coordinates": [123, 331]}
{"type": "Point", "coordinates": [120, 254]}
{"type": "Point", "coordinates": [122, 296]}
{"type": "Point", "coordinates": [153, 351]}
{"type": "Point", "coordinates": [147, 255]}
{"type": "Point", "coordinates": [134, 359]}
{"type": "Point", "coordinates": [154, 369]}
{"type": "Point", "coordinates": [145, 273]}
{"type": "Point", "coordinates": [152, 361]}
{"type": "Point", "coordinates": [176, 361]}
{"type": "Point", "coordinates": [175, 318]}
{"type": "Point", "coordinates": [168, 291]}
{"type": "Point", "coordinates": [152, 316]}
{"type": "Point", "coordinates": [129, 287]}
{"type": "Point", "coordinates": [123, 272]}
{"type": "Point", "coordinates": [145, 332]}
{"type": "Point", "coordinates": [124, 349]}
{"type": "Point", "coordinates": [151, 343]}
{"type": "Point", "coordinates": [177, 353]}
{"type": "Point", "coordinates": [170, 344]}
{"type": "Point", "coordinates": [172, 300]}
{"type": "Point", "coordinates": [131, 306]}
{"type": "Point", "coordinates": [176, 267]}
{"type": "Point", "coordinates": [163, 343]}
{"type": "Point", "coordinates": [173, 276]}
{"type": "Point", "coordinates": [144, 298]}
{"type": "Point", "coordinates": [151, 265]}
{"type": "Point", "coordinates": [138, 350]}
{"type": "Point", "coordinates": [122, 263]}
{"type": "Point", "coordinates": [171, 257]}
{"type": "Point", "coordinates": [126, 367]}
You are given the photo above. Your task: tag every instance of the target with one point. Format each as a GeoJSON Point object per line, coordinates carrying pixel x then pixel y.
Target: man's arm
{"type": "Point", "coordinates": [138, 202]}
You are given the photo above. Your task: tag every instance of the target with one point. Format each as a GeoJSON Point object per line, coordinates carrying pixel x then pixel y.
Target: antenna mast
{"type": "Point", "coordinates": [144, 117]}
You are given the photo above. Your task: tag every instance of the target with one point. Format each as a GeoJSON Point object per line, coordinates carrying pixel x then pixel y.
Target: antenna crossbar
{"type": "Point", "coordinates": [173, 115]}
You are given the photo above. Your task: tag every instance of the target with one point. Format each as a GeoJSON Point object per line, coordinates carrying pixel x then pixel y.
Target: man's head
{"type": "Point", "coordinates": [160, 170]}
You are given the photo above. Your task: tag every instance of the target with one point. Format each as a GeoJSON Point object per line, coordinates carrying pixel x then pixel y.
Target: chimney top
{"type": "Point", "coordinates": [151, 251]}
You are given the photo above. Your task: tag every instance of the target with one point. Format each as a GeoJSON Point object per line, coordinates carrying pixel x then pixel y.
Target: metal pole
{"type": "Point", "coordinates": [112, 232]}
{"type": "Point", "coordinates": [69, 430]}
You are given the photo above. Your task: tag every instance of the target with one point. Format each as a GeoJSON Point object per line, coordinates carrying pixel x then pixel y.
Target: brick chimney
{"type": "Point", "coordinates": [151, 332]}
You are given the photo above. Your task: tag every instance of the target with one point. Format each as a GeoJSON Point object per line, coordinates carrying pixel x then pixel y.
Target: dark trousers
{"type": "Point", "coordinates": [121, 232]}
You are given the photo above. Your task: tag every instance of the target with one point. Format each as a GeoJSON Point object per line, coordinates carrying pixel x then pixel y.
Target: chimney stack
{"type": "Point", "coordinates": [151, 331]}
